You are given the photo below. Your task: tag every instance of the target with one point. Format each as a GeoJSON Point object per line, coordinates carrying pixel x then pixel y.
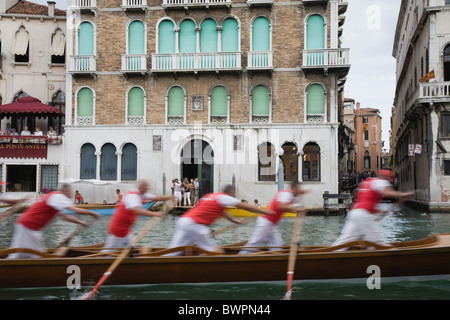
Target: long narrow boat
{"type": "Point", "coordinates": [241, 213]}
{"type": "Point", "coordinates": [107, 209]}
{"type": "Point", "coordinates": [430, 256]}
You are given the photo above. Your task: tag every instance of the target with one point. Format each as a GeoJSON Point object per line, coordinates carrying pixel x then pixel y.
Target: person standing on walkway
{"type": "Point", "coordinates": [125, 214]}
{"type": "Point", "coordinates": [28, 228]}
{"type": "Point", "coordinates": [266, 229]}
{"type": "Point", "coordinates": [193, 226]}
{"type": "Point", "coordinates": [361, 221]}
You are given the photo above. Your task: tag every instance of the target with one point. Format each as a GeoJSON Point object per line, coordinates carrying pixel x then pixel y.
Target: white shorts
{"type": "Point", "coordinates": [188, 232]}
{"type": "Point", "coordinates": [26, 238]}
{"type": "Point", "coordinates": [265, 233]}
{"type": "Point", "coordinates": [361, 225]}
{"type": "Point", "coordinates": [177, 195]}
{"type": "Point", "coordinates": [113, 241]}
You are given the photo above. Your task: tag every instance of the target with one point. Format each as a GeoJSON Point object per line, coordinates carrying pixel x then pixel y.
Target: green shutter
{"type": "Point", "coordinates": [260, 101]}
{"type": "Point", "coordinates": [208, 36]}
{"type": "Point", "coordinates": [176, 102]}
{"type": "Point", "coordinates": [219, 101]}
{"type": "Point", "coordinates": [315, 99]}
{"type": "Point", "coordinates": [136, 38]}
{"type": "Point", "coordinates": [261, 34]}
{"type": "Point", "coordinates": [230, 35]}
{"type": "Point", "coordinates": [315, 35]}
{"type": "Point", "coordinates": [86, 39]}
{"type": "Point", "coordinates": [85, 103]}
{"type": "Point", "coordinates": [166, 37]}
{"type": "Point", "coordinates": [136, 102]}
{"type": "Point", "coordinates": [188, 36]}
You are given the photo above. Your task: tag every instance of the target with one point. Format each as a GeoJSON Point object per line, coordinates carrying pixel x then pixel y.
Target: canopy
{"type": "Point", "coordinates": [28, 106]}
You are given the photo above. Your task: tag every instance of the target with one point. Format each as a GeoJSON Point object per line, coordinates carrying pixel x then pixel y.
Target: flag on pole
{"type": "Point", "coordinates": [430, 75]}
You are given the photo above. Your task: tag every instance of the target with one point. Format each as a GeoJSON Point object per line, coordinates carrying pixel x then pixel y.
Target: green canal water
{"type": "Point", "coordinates": [403, 225]}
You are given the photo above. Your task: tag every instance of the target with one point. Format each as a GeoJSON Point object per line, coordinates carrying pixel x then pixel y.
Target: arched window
{"type": "Point", "coordinates": [260, 104]}
{"type": "Point", "coordinates": [88, 162]}
{"type": "Point", "coordinates": [311, 162]}
{"type": "Point", "coordinates": [208, 43]}
{"type": "Point", "coordinates": [21, 47]}
{"type": "Point", "coordinates": [86, 39]}
{"type": "Point", "coordinates": [219, 105]}
{"type": "Point", "coordinates": [129, 162]}
{"type": "Point", "coordinates": [176, 105]}
{"type": "Point", "coordinates": [59, 102]}
{"type": "Point", "coordinates": [315, 32]}
{"type": "Point", "coordinates": [447, 63]}
{"type": "Point", "coordinates": [108, 162]}
{"type": "Point", "coordinates": [315, 103]}
{"type": "Point", "coordinates": [136, 106]}
{"type": "Point", "coordinates": [58, 49]}
{"type": "Point", "coordinates": [230, 35]}
{"type": "Point", "coordinates": [366, 160]}
{"type": "Point", "coordinates": [136, 38]}
{"type": "Point", "coordinates": [85, 106]}
{"type": "Point", "coordinates": [266, 162]}
{"type": "Point", "coordinates": [188, 43]}
{"type": "Point", "coordinates": [315, 39]}
{"type": "Point", "coordinates": [290, 161]}
{"type": "Point", "coordinates": [166, 44]}
{"type": "Point", "coordinates": [166, 37]}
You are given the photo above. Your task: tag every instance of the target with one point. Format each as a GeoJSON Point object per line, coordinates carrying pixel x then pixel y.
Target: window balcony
{"type": "Point", "coordinates": [195, 62]}
{"type": "Point", "coordinates": [134, 63]}
{"type": "Point", "coordinates": [83, 5]}
{"type": "Point", "coordinates": [82, 64]}
{"type": "Point", "coordinates": [260, 60]}
{"type": "Point", "coordinates": [434, 92]}
{"type": "Point", "coordinates": [255, 3]}
{"type": "Point", "coordinates": [186, 4]}
{"type": "Point", "coordinates": [131, 5]}
{"type": "Point", "coordinates": [326, 59]}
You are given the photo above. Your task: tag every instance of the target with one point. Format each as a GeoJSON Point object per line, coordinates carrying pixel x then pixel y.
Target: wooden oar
{"type": "Point", "coordinates": [224, 229]}
{"type": "Point", "coordinates": [11, 210]}
{"type": "Point", "coordinates": [293, 252]}
{"type": "Point", "coordinates": [122, 256]}
{"type": "Point", "coordinates": [74, 234]}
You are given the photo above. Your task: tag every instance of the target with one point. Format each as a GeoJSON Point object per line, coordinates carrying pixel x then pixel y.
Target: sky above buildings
{"type": "Point", "coordinates": [369, 31]}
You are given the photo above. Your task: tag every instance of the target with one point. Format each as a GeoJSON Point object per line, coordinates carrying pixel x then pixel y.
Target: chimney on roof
{"type": "Point", "coordinates": [51, 8]}
{"type": "Point", "coordinates": [358, 106]}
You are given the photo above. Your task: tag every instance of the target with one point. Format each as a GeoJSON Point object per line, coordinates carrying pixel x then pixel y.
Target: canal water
{"type": "Point", "coordinates": [403, 225]}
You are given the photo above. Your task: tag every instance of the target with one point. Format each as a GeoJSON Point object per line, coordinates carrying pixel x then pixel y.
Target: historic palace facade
{"type": "Point", "coordinates": [220, 90]}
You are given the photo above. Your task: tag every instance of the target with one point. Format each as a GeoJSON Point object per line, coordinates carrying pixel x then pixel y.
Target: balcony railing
{"type": "Point", "coordinates": [134, 3]}
{"type": "Point", "coordinates": [195, 3]}
{"type": "Point", "coordinates": [326, 58]}
{"type": "Point", "coordinates": [83, 4]}
{"type": "Point", "coordinates": [216, 61]}
{"type": "Point", "coordinates": [260, 60]}
{"type": "Point", "coordinates": [435, 90]}
{"type": "Point", "coordinates": [134, 63]}
{"type": "Point", "coordinates": [82, 64]}
{"type": "Point", "coordinates": [50, 139]}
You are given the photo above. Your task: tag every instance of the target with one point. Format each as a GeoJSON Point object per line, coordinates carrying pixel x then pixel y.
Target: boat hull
{"type": "Point", "coordinates": [55, 272]}
{"type": "Point", "coordinates": [107, 209]}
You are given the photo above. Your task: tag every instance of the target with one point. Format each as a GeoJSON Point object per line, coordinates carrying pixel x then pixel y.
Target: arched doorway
{"type": "Point", "coordinates": [197, 161]}
{"type": "Point", "coordinates": [290, 161]}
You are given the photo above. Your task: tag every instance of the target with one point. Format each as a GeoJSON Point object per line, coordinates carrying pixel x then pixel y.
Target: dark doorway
{"type": "Point", "coordinates": [290, 161]}
{"type": "Point", "coordinates": [447, 63]}
{"type": "Point", "coordinates": [197, 161]}
{"type": "Point", "coordinates": [21, 178]}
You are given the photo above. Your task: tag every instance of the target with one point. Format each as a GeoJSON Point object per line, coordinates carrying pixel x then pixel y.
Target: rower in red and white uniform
{"type": "Point", "coordinates": [361, 221]}
{"type": "Point", "coordinates": [27, 230]}
{"type": "Point", "coordinates": [119, 230]}
{"type": "Point", "coordinates": [193, 226]}
{"type": "Point", "coordinates": [266, 230]}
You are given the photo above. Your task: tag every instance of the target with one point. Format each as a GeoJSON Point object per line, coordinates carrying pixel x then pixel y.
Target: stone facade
{"type": "Point", "coordinates": [286, 80]}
